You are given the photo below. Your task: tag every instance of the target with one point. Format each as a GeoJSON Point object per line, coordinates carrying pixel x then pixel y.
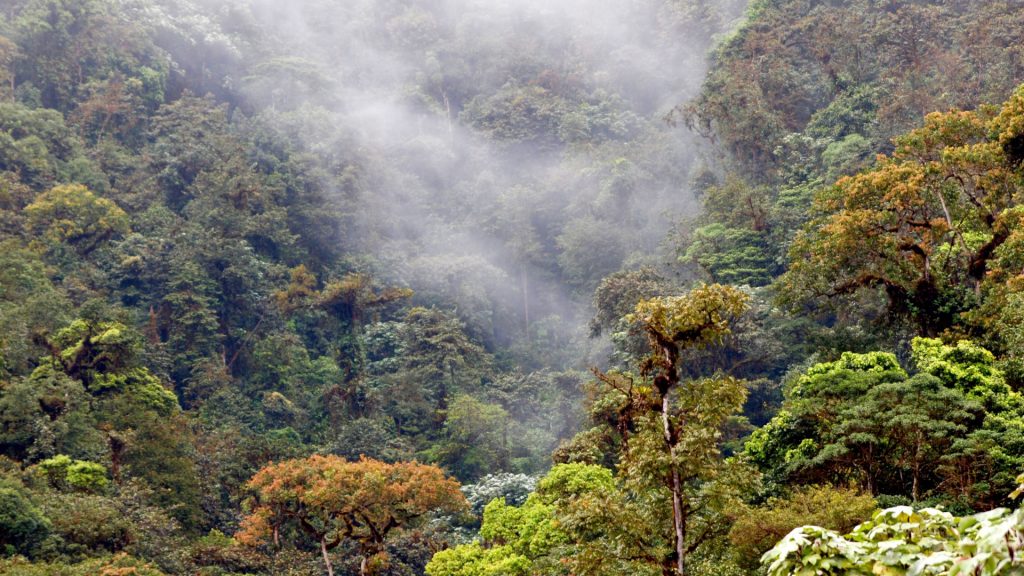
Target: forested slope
{"type": "Point", "coordinates": [806, 92]}
{"type": "Point", "coordinates": [238, 233]}
{"type": "Point", "coordinates": [276, 278]}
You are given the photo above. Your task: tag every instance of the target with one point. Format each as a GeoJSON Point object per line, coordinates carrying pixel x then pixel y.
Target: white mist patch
{"type": "Point", "coordinates": [512, 152]}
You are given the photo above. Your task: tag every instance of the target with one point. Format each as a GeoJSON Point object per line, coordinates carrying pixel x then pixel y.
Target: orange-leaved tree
{"type": "Point", "coordinates": [924, 224]}
{"type": "Point", "coordinates": [330, 500]}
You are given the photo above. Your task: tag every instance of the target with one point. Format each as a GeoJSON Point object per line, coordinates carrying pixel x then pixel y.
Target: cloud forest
{"type": "Point", "coordinates": [511, 288]}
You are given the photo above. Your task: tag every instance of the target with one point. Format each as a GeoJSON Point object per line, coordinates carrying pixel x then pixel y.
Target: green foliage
{"type": "Point", "coordinates": [619, 293]}
{"type": "Point", "coordinates": [792, 119]}
{"type": "Point", "coordinates": [62, 472]}
{"type": "Point", "coordinates": [543, 118]}
{"type": "Point", "coordinates": [907, 225]}
{"type": "Point", "coordinates": [731, 255]}
{"type": "Point", "coordinates": [87, 476]}
{"type": "Point", "coordinates": [968, 367]}
{"type": "Point", "coordinates": [863, 418]}
{"type": "Point", "coordinates": [535, 537]}
{"type": "Point", "coordinates": [474, 560]}
{"type": "Point", "coordinates": [73, 215]}
{"type": "Point", "coordinates": [23, 527]}
{"type": "Point", "coordinates": [116, 564]}
{"type": "Point", "coordinates": [87, 524]}
{"type": "Point", "coordinates": [590, 251]}
{"type": "Point", "coordinates": [904, 541]}
{"type": "Point", "coordinates": [56, 468]}
{"type": "Point", "coordinates": [46, 415]}
{"type": "Point", "coordinates": [731, 240]}
{"type": "Point", "coordinates": [761, 89]}
{"type": "Point", "coordinates": [439, 353]}
{"type": "Point", "coordinates": [529, 530]}
{"type": "Point", "coordinates": [150, 392]}
{"type": "Point", "coordinates": [40, 148]}
{"type": "Point", "coordinates": [757, 530]}
{"type": "Point", "coordinates": [518, 114]}
{"type": "Point", "coordinates": [160, 455]}
{"type": "Point", "coordinates": [193, 288]}
{"type": "Point", "coordinates": [475, 437]}
{"type": "Point", "coordinates": [702, 317]}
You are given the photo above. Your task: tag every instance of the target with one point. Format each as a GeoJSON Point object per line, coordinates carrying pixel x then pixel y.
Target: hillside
{"type": "Point", "coordinates": [512, 288]}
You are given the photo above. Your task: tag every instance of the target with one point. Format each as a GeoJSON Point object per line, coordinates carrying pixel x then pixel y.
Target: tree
{"type": "Point", "coordinates": [922, 225]}
{"type": "Point", "coordinates": [440, 356]}
{"type": "Point", "coordinates": [284, 82]}
{"type": "Point", "coordinates": [74, 42]}
{"type": "Point", "coordinates": [88, 522]}
{"type": "Point", "coordinates": [733, 255]}
{"type": "Point", "coordinates": [76, 474]}
{"type": "Point", "coordinates": [40, 148]}
{"type": "Point", "coordinates": [731, 238]}
{"type": "Point", "coordinates": [104, 357]}
{"type": "Point", "coordinates": [331, 500]}
{"type": "Point", "coordinates": [93, 396]}
{"type": "Point", "coordinates": [618, 295]}
{"type": "Point", "coordinates": [475, 438]}
{"type": "Point", "coordinates": [9, 54]}
{"type": "Point", "coordinates": [591, 249]}
{"type": "Point", "coordinates": [567, 524]}
{"type": "Point", "coordinates": [72, 214]}
{"type": "Point", "coordinates": [30, 303]}
{"type": "Point", "coordinates": [758, 529]}
{"type": "Point", "coordinates": [516, 220]}
{"type": "Point", "coordinates": [47, 414]}
{"type": "Point", "coordinates": [911, 424]}
{"type": "Point", "coordinates": [605, 524]}
{"type": "Point", "coordinates": [518, 115]}
{"type": "Point", "coordinates": [520, 540]}
{"type": "Point", "coordinates": [119, 563]}
{"type": "Point", "coordinates": [691, 412]}
{"type": "Point", "coordinates": [22, 525]}
{"type": "Point", "coordinates": [930, 435]}
{"type": "Point", "coordinates": [870, 68]}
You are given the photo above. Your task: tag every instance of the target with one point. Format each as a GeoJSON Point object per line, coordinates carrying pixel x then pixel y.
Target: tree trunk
{"type": "Point", "coordinates": [526, 300]}
{"type": "Point", "coordinates": [677, 493]}
{"type": "Point", "coordinates": [679, 521]}
{"type": "Point", "coordinates": [327, 559]}
{"type": "Point", "coordinates": [117, 446]}
{"type": "Point", "coordinates": [916, 490]}
{"type": "Point", "coordinates": [362, 566]}
{"type": "Point", "coordinates": [448, 112]}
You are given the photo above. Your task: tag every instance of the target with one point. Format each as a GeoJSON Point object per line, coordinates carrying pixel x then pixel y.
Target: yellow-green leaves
{"type": "Point", "coordinates": [63, 472]}
{"type": "Point", "coordinates": [1008, 127]}
{"type": "Point", "coordinates": [573, 515]}
{"type": "Point", "coordinates": [72, 214]}
{"type": "Point", "coordinates": [475, 560]}
{"type": "Point", "coordinates": [701, 317]}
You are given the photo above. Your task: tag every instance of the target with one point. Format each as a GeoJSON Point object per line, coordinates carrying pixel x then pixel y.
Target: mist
{"type": "Point", "coordinates": [509, 154]}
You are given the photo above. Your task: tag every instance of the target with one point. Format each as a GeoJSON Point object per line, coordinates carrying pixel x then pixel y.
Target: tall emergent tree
{"type": "Point", "coordinates": [691, 411]}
